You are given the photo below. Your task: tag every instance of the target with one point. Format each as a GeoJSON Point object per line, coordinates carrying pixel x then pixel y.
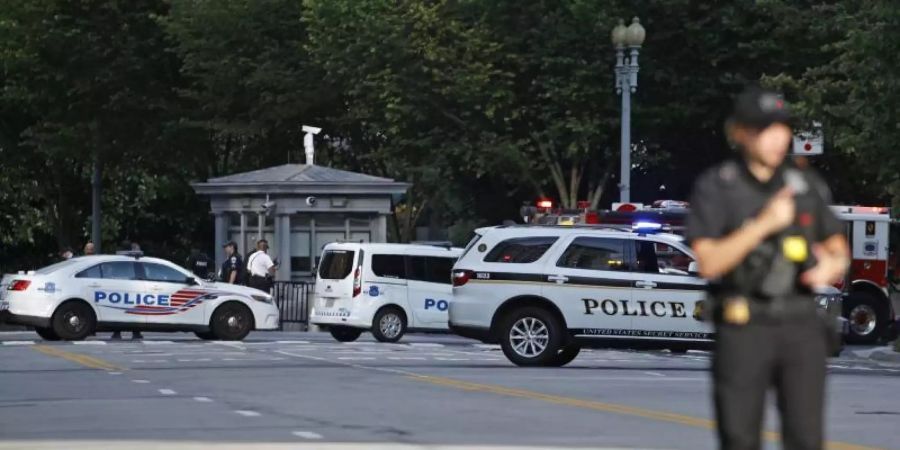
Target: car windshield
{"type": "Point", "coordinates": [54, 267]}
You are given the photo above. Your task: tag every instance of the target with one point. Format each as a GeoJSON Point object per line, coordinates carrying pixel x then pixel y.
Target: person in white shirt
{"type": "Point", "coordinates": [261, 267]}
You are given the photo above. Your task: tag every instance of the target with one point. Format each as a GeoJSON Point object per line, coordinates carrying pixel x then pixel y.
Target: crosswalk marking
{"type": "Point", "coordinates": [18, 342]}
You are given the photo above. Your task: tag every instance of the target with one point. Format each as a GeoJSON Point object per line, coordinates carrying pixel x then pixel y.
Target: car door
{"type": "Point", "coordinates": [429, 289]}
{"type": "Point", "coordinates": [113, 287]}
{"type": "Point", "coordinates": [673, 296]}
{"type": "Point", "coordinates": [591, 284]}
{"type": "Point", "coordinates": [177, 302]}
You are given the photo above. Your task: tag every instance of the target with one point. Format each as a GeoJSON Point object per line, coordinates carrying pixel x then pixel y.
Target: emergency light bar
{"type": "Point", "coordinates": [647, 227]}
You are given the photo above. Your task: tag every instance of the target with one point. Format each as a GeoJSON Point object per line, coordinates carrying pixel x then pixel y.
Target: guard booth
{"type": "Point", "coordinates": [298, 208]}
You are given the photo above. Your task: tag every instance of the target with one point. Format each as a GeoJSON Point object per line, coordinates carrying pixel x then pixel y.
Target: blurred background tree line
{"type": "Point", "coordinates": [481, 104]}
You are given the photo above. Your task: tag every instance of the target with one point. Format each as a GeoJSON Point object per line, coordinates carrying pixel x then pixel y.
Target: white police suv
{"type": "Point", "coordinates": [543, 292]}
{"type": "Point", "coordinates": [73, 299]}
{"type": "Point", "coordinates": [388, 289]}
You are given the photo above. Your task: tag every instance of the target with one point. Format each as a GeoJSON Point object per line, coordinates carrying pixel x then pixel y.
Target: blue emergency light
{"type": "Point", "coordinates": [647, 227]}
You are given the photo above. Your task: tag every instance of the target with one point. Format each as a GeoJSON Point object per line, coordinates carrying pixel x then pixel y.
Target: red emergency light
{"type": "Point", "coordinates": [547, 204]}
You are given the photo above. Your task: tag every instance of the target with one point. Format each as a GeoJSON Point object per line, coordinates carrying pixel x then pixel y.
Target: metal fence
{"type": "Point", "coordinates": [292, 298]}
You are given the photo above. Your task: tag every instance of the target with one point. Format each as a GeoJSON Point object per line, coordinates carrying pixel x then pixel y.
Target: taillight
{"type": "Point", "coordinates": [357, 282]}
{"type": "Point", "coordinates": [19, 285]}
{"type": "Point", "coordinates": [461, 277]}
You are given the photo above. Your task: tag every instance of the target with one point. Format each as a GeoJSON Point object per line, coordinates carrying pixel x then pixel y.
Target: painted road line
{"type": "Point", "coordinates": [357, 358]}
{"type": "Point", "coordinates": [655, 374]}
{"type": "Point", "coordinates": [291, 342]}
{"type": "Point", "coordinates": [167, 392]}
{"type": "Point", "coordinates": [407, 358]}
{"type": "Point", "coordinates": [89, 343]}
{"type": "Point", "coordinates": [307, 435]}
{"type": "Point", "coordinates": [140, 381]}
{"type": "Point", "coordinates": [114, 373]}
{"type": "Point", "coordinates": [613, 408]}
{"type": "Point", "coordinates": [425, 344]}
{"type": "Point", "coordinates": [158, 342]}
{"type": "Point", "coordinates": [18, 342]}
{"type": "Point", "coordinates": [84, 360]}
{"type": "Point", "coordinates": [621, 409]}
{"type": "Point", "coordinates": [246, 413]}
{"type": "Point", "coordinates": [203, 399]}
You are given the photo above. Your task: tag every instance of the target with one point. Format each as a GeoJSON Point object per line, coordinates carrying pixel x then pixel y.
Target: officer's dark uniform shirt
{"type": "Point", "coordinates": [728, 195]}
{"type": "Point", "coordinates": [199, 265]}
{"type": "Point", "coordinates": [234, 263]}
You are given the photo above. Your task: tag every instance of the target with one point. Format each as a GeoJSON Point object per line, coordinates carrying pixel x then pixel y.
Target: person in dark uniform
{"type": "Point", "coordinates": [233, 265]}
{"type": "Point", "coordinates": [764, 235]}
{"type": "Point", "coordinates": [199, 264]}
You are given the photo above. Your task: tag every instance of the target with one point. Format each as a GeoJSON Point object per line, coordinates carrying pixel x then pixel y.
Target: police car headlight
{"type": "Point", "coordinates": [262, 298]}
{"type": "Point", "coordinates": [822, 301]}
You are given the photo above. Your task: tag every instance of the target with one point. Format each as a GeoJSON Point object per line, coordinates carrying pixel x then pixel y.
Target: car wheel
{"type": "Point", "coordinates": [532, 336]}
{"type": "Point", "coordinates": [389, 325]}
{"type": "Point", "coordinates": [205, 335]}
{"type": "Point", "coordinates": [867, 318]}
{"type": "Point", "coordinates": [345, 334]}
{"type": "Point", "coordinates": [566, 355]}
{"type": "Point", "coordinates": [73, 321]}
{"type": "Point", "coordinates": [47, 334]}
{"type": "Point", "coordinates": [231, 322]}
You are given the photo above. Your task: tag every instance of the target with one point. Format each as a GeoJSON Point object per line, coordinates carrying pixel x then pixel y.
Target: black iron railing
{"type": "Point", "coordinates": [292, 298]}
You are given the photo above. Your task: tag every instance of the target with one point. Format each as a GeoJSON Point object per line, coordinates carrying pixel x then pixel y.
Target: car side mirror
{"type": "Point", "coordinates": [191, 281]}
{"type": "Point", "coordinates": [694, 268]}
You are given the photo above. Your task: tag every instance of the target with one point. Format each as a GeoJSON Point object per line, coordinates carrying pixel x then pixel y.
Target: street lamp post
{"type": "Point", "coordinates": [630, 37]}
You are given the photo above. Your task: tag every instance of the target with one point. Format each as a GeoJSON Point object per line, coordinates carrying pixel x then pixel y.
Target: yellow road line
{"type": "Point", "coordinates": [84, 360]}
{"type": "Point", "coordinates": [605, 407]}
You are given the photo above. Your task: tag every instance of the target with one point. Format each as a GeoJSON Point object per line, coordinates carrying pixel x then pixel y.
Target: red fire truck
{"type": "Point", "coordinates": [868, 304]}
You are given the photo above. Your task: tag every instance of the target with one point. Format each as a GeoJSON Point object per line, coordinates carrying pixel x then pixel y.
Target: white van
{"type": "Point", "coordinates": [388, 289]}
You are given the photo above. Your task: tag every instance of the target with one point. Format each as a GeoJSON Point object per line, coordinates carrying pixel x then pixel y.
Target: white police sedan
{"type": "Point", "coordinates": [73, 299]}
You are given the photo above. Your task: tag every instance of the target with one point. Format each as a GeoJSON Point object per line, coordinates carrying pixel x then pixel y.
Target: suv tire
{"type": "Point", "coordinates": [532, 336]}
{"type": "Point", "coordinates": [566, 355]}
{"type": "Point", "coordinates": [389, 324]}
{"type": "Point", "coordinates": [345, 334]}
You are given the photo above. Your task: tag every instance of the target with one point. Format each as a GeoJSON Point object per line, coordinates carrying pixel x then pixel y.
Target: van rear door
{"type": "Point", "coordinates": [338, 269]}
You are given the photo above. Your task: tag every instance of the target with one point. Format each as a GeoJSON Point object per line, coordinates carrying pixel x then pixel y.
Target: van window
{"type": "Point", "coordinates": [389, 266]}
{"type": "Point", "coordinates": [520, 250]}
{"type": "Point", "coordinates": [336, 264]}
{"type": "Point", "coordinates": [433, 269]}
{"type": "Point", "coordinates": [595, 254]}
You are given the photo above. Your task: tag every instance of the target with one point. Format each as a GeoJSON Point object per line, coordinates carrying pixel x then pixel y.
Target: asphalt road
{"type": "Point", "coordinates": [303, 390]}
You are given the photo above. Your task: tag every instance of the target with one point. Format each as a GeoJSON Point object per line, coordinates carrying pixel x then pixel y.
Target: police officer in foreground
{"type": "Point", "coordinates": [233, 266]}
{"type": "Point", "coordinates": [764, 235]}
